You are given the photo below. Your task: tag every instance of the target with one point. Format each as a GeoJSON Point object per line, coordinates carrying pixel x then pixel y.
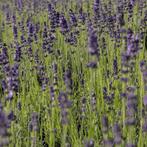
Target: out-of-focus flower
{"type": "Point", "coordinates": [92, 64]}
{"type": "Point", "coordinates": [34, 124]}
{"type": "Point", "coordinates": [117, 134]}
{"type": "Point", "coordinates": [4, 126]}
{"type": "Point", "coordinates": [93, 47]}
{"type": "Point", "coordinates": [89, 143]}
{"type": "Point", "coordinates": [64, 104]}
{"type": "Point", "coordinates": [105, 124]}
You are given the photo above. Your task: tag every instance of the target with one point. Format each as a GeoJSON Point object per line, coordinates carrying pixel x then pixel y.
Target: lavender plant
{"type": "Point", "coordinates": [73, 73]}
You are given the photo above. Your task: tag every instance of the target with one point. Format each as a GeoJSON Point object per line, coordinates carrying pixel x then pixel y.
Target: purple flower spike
{"type": "Point", "coordinates": [4, 126]}
{"type": "Point", "coordinates": [93, 43]}
{"type": "Point", "coordinates": [65, 104]}
{"type": "Point", "coordinates": [63, 100]}
{"type": "Point", "coordinates": [34, 124]}
{"type": "Point", "coordinates": [145, 100]}
{"type": "Point", "coordinates": [105, 124]}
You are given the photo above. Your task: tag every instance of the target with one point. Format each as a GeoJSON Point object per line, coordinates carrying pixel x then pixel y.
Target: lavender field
{"type": "Point", "coordinates": [73, 73]}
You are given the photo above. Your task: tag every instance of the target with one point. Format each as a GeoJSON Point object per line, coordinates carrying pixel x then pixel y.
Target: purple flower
{"type": "Point", "coordinates": [52, 94]}
{"type": "Point", "coordinates": [45, 33]}
{"type": "Point", "coordinates": [131, 145]}
{"type": "Point", "coordinates": [143, 65]}
{"type": "Point", "coordinates": [130, 10]}
{"type": "Point", "coordinates": [63, 100]}
{"type": "Point", "coordinates": [130, 121]}
{"type": "Point", "coordinates": [92, 64]}
{"type": "Point", "coordinates": [145, 100]}
{"type": "Point", "coordinates": [131, 89]}
{"type": "Point", "coordinates": [82, 17]}
{"type": "Point", "coordinates": [108, 143]}
{"type": "Point", "coordinates": [55, 77]}
{"type": "Point", "coordinates": [1, 107]}
{"type": "Point", "coordinates": [64, 104]}
{"type": "Point", "coordinates": [50, 8]}
{"type": "Point", "coordinates": [17, 56]}
{"type": "Point", "coordinates": [124, 79]}
{"type": "Point", "coordinates": [11, 116]}
{"type": "Point", "coordinates": [96, 8]}
{"type": "Point", "coordinates": [117, 134]}
{"type": "Point", "coordinates": [4, 126]}
{"type": "Point", "coordinates": [115, 66]}
{"type": "Point", "coordinates": [31, 29]}
{"type": "Point", "coordinates": [10, 95]}
{"type": "Point", "coordinates": [93, 43]}
{"type": "Point", "coordinates": [120, 19]}
{"type": "Point", "coordinates": [14, 19]}
{"type": "Point", "coordinates": [20, 4]}
{"type": "Point", "coordinates": [93, 101]}
{"type": "Point", "coordinates": [144, 127]}
{"type": "Point", "coordinates": [34, 124]}
{"type": "Point", "coordinates": [19, 106]}
{"type": "Point", "coordinates": [89, 143]}
{"type": "Point", "coordinates": [71, 39]}
{"type": "Point", "coordinates": [105, 124]}
{"type": "Point", "coordinates": [64, 117]}
{"type": "Point", "coordinates": [15, 32]}
{"type": "Point", "coordinates": [63, 24]}
{"type": "Point", "coordinates": [68, 81]}
{"type": "Point", "coordinates": [73, 19]}
{"type": "Point", "coordinates": [83, 107]}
